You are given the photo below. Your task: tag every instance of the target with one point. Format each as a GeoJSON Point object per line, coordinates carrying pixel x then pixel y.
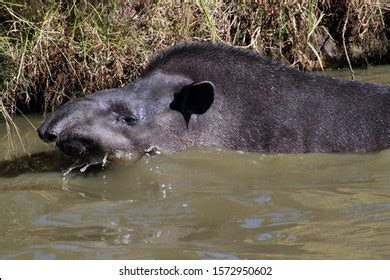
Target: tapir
{"type": "Point", "coordinates": [215, 95]}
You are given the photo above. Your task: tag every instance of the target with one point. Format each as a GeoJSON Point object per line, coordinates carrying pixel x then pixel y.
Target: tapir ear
{"type": "Point", "coordinates": [195, 98]}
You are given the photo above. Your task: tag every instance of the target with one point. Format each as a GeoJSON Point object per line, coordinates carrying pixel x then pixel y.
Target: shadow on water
{"type": "Point", "coordinates": [48, 161]}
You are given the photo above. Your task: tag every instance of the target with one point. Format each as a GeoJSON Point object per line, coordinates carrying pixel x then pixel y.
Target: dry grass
{"type": "Point", "coordinates": [51, 51]}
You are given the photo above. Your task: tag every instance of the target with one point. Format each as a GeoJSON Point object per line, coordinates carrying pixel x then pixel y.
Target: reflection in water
{"type": "Point", "coordinates": [252, 223]}
{"type": "Point", "coordinates": [206, 204]}
{"type": "Point", "coordinates": [377, 74]}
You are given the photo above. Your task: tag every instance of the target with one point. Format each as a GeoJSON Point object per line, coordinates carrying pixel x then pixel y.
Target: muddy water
{"type": "Point", "coordinates": [197, 204]}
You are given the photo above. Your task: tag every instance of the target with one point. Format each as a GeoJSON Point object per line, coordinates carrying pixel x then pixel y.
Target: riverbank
{"type": "Point", "coordinates": [53, 51]}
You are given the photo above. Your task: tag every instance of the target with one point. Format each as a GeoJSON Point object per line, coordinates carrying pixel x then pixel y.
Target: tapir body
{"type": "Point", "coordinates": [201, 94]}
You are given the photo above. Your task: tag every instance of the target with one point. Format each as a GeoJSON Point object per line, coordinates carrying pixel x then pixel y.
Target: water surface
{"type": "Point", "coordinates": [199, 204]}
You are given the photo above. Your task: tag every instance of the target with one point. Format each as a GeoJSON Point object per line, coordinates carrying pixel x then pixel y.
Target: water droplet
{"type": "Point", "coordinates": [83, 169]}
{"type": "Point", "coordinates": [82, 194]}
{"type": "Point", "coordinates": [104, 161]}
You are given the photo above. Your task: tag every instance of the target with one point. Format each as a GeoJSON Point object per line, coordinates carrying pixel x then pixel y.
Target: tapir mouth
{"type": "Point", "coordinates": [79, 147]}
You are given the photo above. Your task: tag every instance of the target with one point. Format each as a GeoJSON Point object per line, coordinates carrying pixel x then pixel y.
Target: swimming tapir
{"type": "Point", "coordinates": [213, 95]}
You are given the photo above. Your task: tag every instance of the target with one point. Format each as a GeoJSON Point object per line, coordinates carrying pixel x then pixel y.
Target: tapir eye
{"type": "Point", "coordinates": [130, 120]}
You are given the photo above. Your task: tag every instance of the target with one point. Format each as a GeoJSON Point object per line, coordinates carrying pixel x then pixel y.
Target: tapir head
{"type": "Point", "coordinates": [153, 111]}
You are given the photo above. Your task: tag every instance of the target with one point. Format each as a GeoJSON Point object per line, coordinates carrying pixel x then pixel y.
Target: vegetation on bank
{"type": "Point", "coordinates": [51, 51]}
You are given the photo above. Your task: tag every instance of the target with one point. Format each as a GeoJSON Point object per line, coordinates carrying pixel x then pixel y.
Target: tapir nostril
{"type": "Point", "coordinates": [50, 136]}
{"type": "Point", "coordinates": [47, 136]}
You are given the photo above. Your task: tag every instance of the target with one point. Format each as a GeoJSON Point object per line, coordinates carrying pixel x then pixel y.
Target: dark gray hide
{"type": "Point", "coordinates": [219, 96]}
